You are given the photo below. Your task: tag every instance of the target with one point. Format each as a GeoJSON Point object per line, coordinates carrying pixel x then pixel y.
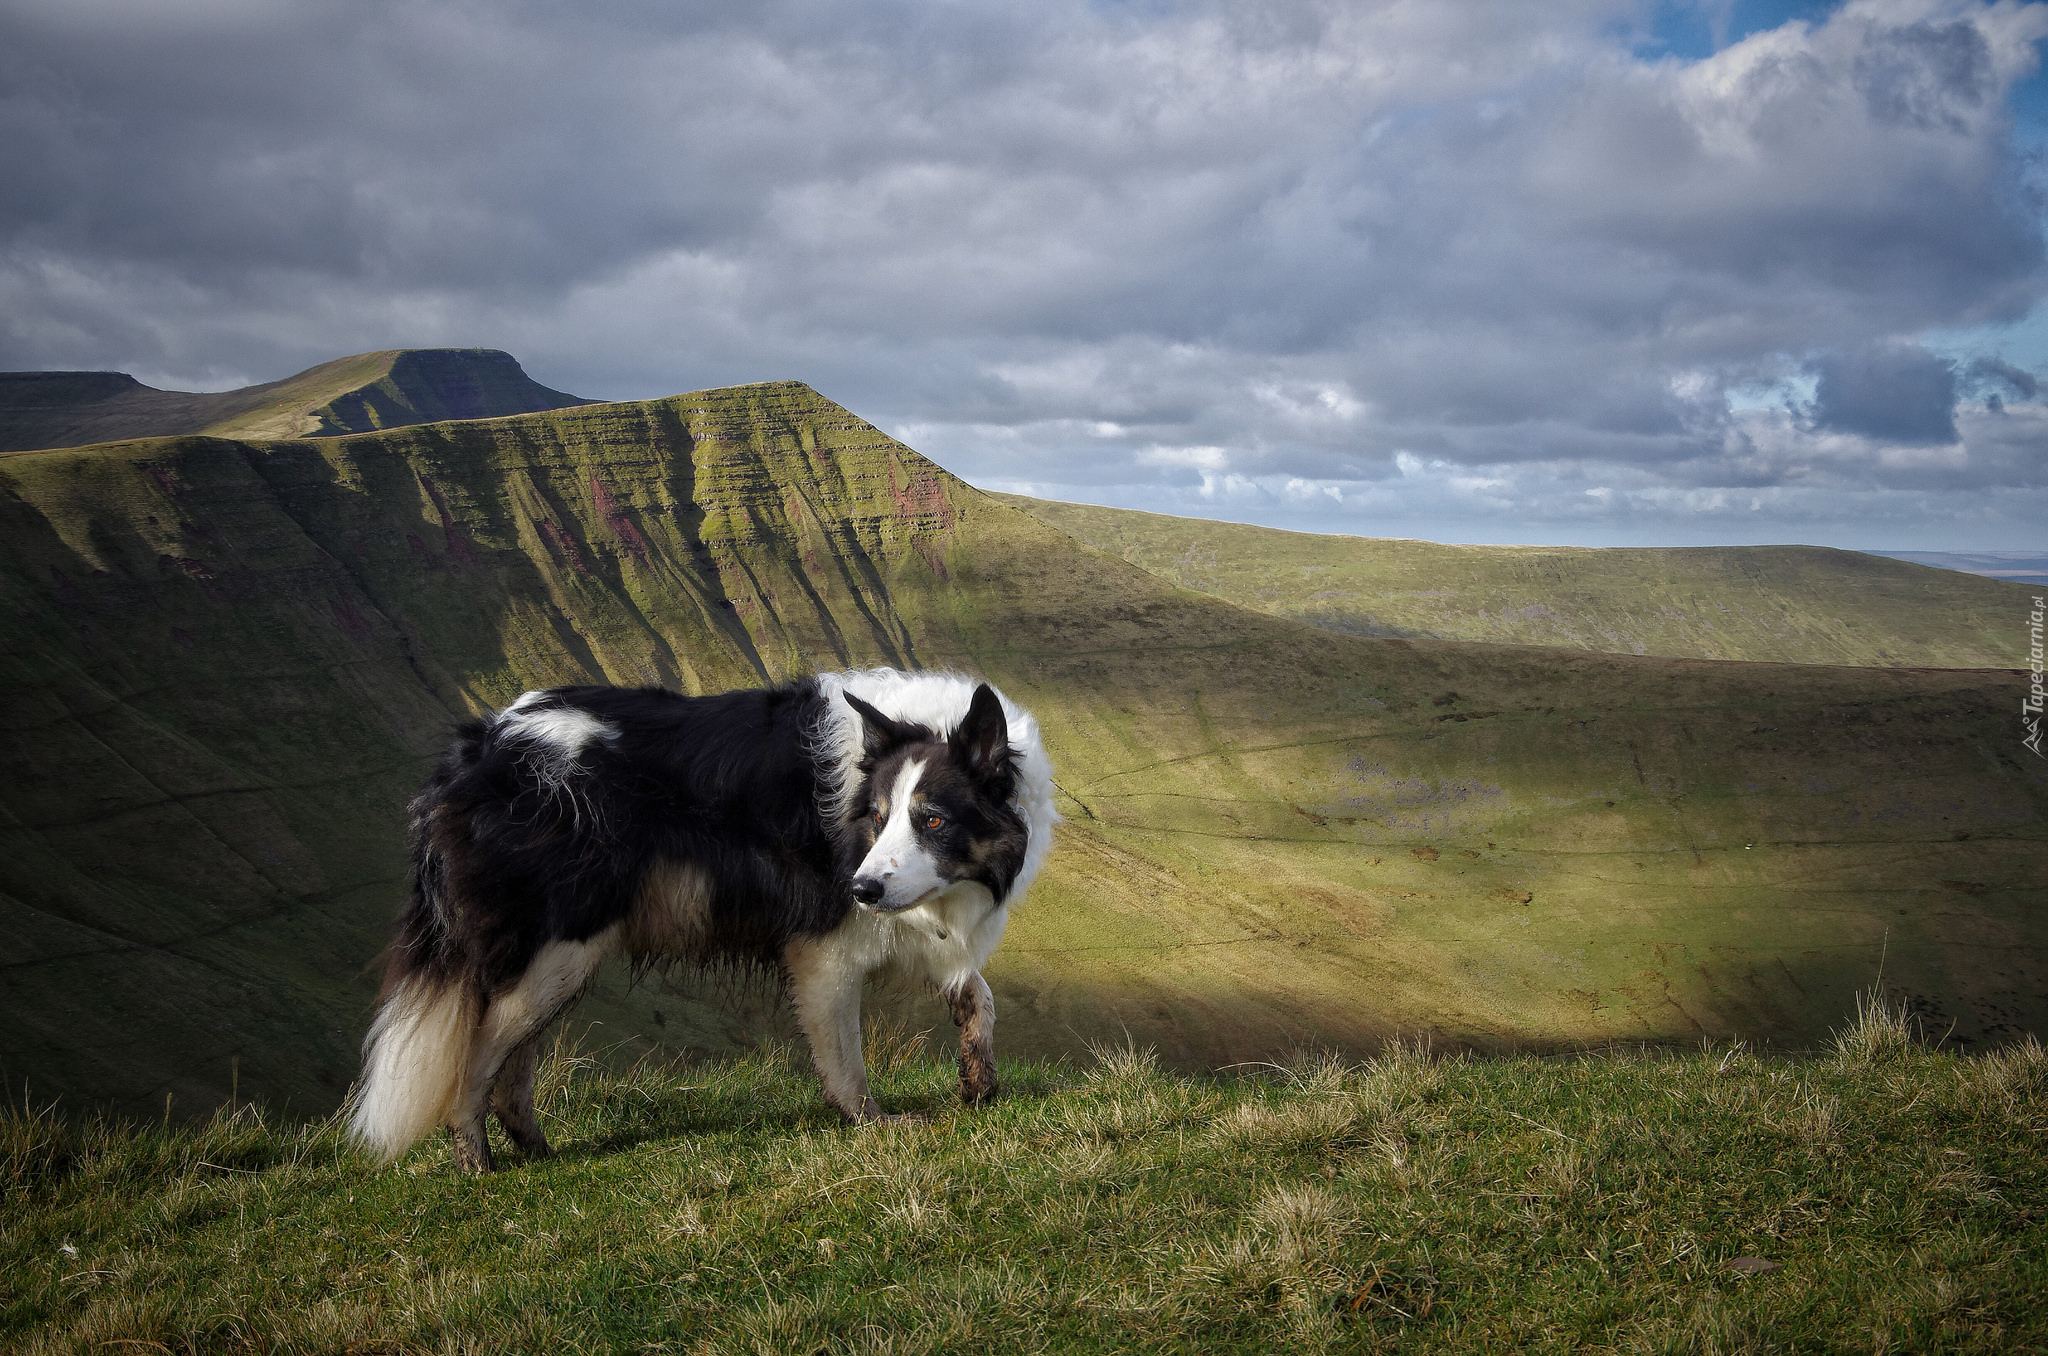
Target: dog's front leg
{"type": "Point", "coordinates": [974, 1012]}
{"type": "Point", "coordinates": [824, 983]}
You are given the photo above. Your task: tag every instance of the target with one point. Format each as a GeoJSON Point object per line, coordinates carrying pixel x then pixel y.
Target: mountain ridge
{"type": "Point", "coordinates": [388, 388]}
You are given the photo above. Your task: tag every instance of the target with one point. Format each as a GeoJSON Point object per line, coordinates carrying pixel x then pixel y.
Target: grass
{"type": "Point", "coordinates": [1781, 604]}
{"type": "Point", "coordinates": [1875, 1196]}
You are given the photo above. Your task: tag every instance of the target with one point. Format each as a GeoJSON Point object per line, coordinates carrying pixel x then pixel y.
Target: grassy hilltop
{"type": "Point", "coordinates": [386, 389]}
{"type": "Point", "coordinates": [226, 665]}
{"type": "Point", "coordinates": [1781, 604]}
{"type": "Point", "coordinates": [1879, 1198]}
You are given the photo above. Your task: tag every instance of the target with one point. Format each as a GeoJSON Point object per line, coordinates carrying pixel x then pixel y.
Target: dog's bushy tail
{"type": "Point", "coordinates": [416, 1056]}
{"type": "Point", "coordinates": [415, 1060]}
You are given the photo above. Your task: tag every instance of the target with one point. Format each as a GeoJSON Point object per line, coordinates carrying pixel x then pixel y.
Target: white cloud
{"type": "Point", "coordinates": [1190, 458]}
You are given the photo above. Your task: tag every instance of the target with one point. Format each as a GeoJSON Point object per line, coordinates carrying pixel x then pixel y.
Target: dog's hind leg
{"type": "Point", "coordinates": [824, 983]}
{"type": "Point", "coordinates": [974, 1012]}
{"type": "Point", "coordinates": [513, 1022]}
{"type": "Point", "coordinates": [512, 1099]}
{"type": "Point", "coordinates": [470, 1145]}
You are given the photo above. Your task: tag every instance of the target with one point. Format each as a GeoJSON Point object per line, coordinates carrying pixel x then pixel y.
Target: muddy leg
{"type": "Point", "coordinates": [472, 1144]}
{"type": "Point", "coordinates": [512, 1099]}
{"type": "Point", "coordinates": [974, 1012]}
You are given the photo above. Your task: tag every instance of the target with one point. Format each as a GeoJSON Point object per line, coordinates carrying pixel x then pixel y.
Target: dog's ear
{"type": "Point", "coordinates": [879, 733]}
{"type": "Point", "coordinates": [981, 742]}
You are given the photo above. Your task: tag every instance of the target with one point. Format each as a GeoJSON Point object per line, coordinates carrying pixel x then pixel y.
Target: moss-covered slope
{"type": "Point", "coordinates": [349, 395]}
{"type": "Point", "coordinates": [224, 666]}
{"type": "Point", "coordinates": [1782, 604]}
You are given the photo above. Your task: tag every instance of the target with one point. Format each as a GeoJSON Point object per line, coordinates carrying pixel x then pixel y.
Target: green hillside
{"type": "Point", "coordinates": [226, 665]}
{"type": "Point", "coordinates": [369, 391]}
{"type": "Point", "coordinates": [1782, 604]}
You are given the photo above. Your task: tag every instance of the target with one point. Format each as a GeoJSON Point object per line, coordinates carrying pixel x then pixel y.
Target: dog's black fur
{"type": "Point", "coordinates": [584, 821]}
{"type": "Point", "coordinates": [504, 863]}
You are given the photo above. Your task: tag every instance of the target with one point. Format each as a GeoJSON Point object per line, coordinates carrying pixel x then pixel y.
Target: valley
{"type": "Point", "coordinates": [228, 662]}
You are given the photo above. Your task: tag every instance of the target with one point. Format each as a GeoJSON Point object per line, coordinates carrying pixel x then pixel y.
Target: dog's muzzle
{"type": "Point", "coordinates": [871, 893]}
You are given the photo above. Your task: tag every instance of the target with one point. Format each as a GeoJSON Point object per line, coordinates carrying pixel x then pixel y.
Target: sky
{"type": "Point", "coordinates": [1600, 272]}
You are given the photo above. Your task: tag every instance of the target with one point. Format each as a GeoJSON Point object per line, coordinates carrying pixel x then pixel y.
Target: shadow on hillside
{"type": "Point", "coordinates": [1362, 624]}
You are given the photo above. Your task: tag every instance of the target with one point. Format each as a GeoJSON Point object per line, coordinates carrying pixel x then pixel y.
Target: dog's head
{"type": "Point", "coordinates": [933, 812]}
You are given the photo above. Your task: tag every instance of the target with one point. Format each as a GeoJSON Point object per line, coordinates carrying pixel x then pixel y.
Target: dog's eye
{"type": "Point", "coordinates": [876, 815]}
{"type": "Point", "coordinates": [935, 821]}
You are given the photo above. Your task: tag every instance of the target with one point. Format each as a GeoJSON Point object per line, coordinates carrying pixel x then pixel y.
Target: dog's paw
{"type": "Point", "coordinates": [874, 1115]}
{"type": "Point", "coordinates": [470, 1150]}
{"type": "Point", "coordinates": [977, 1076]}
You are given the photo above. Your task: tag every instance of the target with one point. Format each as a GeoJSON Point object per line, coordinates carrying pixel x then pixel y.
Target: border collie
{"type": "Point", "coordinates": [827, 829]}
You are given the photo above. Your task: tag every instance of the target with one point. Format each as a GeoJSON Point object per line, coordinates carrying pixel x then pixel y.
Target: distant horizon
{"type": "Point", "coordinates": [2023, 553]}
{"type": "Point", "coordinates": [1282, 521]}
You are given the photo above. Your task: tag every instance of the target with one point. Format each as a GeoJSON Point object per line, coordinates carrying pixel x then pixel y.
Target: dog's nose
{"type": "Point", "coordinates": [867, 889]}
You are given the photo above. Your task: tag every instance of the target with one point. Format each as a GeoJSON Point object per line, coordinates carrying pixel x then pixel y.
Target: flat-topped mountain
{"type": "Point", "coordinates": [225, 665]}
{"type": "Point", "coordinates": [387, 389]}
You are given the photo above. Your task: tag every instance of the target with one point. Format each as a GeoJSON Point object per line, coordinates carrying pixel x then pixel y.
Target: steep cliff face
{"type": "Point", "coordinates": [227, 665]}
{"type": "Point", "coordinates": [368, 391]}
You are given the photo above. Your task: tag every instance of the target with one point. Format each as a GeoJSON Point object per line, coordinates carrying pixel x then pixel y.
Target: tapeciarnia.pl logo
{"type": "Point", "coordinates": [2030, 709]}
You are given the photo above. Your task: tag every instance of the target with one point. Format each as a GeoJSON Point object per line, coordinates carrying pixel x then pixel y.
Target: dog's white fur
{"type": "Point", "coordinates": [416, 1055]}
{"type": "Point", "coordinates": [945, 940]}
{"type": "Point", "coordinates": [556, 736]}
{"type": "Point", "coordinates": [898, 859]}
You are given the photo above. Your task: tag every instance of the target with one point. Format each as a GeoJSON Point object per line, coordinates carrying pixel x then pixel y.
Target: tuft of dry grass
{"type": "Point", "coordinates": [1121, 1067]}
{"type": "Point", "coordinates": [1880, 1031]}
{"type": "Point", "coordinates": [2012, 1081]}
{"type": "Point", "coordinates": [1290, 1127]}
{"type": "Point", "coordinates": [891, 1048]}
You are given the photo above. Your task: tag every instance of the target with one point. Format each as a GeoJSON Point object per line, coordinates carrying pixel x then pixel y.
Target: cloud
{"type": "Point", "coordinates": [1991, 373]}
{"type": "Point", "coordinates": [1113, 249]}
{"type": "Point", "coordinates": [1895, 393]}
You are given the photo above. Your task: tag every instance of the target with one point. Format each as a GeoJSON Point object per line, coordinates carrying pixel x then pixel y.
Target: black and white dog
{"type": "Point", "coordinates": [829, 829]}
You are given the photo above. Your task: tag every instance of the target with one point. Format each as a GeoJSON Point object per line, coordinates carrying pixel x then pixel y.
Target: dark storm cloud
{"type": "Point", "coordinates": [1894, 393]}
{"type": "Point", "coordinates": [1261, 253]}
{"type": "Point", "coordinates": [1925, 73]}
{"type": "Point", "coordinates": [1991, 373]}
